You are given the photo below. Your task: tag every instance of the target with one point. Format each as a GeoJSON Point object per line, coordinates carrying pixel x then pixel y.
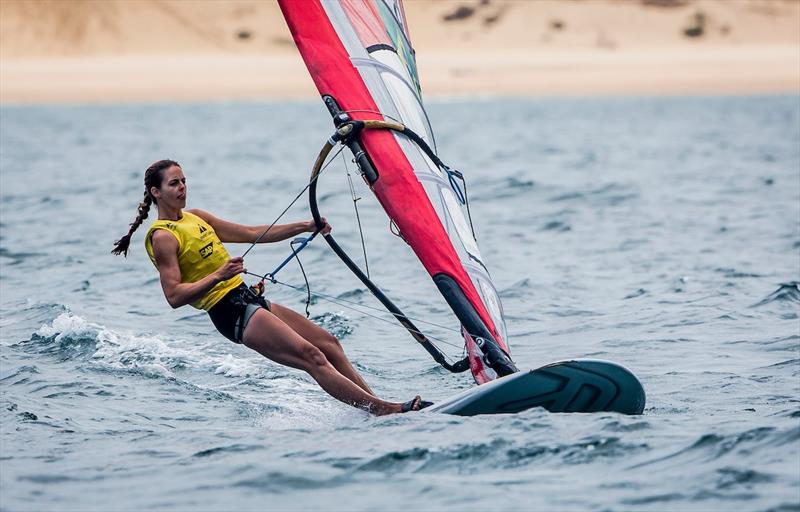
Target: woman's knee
{"type": "Point", "coordinates": [329, 344]}
{"type": "Point", "coordinates": [313, 357]}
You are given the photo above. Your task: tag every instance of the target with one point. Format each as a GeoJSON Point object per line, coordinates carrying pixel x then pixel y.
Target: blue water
{"type": "Point", "coordinates": [660, 233]}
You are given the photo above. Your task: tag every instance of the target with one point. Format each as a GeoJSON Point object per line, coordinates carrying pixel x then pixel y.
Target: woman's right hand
{"type": "Point", "coordinates": [231, 268]}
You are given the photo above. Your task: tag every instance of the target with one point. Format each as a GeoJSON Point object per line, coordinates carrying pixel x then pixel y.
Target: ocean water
{"type": "Point", "coordinates": [660, 233]}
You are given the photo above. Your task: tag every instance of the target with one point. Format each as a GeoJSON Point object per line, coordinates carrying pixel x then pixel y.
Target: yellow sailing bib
{"type": "Point", "coordinates": [200, 252]}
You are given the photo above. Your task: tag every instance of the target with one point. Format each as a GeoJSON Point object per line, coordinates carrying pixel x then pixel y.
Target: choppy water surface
{"type": "Point", "coordinates": [659, 233]}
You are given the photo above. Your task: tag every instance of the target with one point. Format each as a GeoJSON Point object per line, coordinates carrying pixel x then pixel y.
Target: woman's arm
{"type": "Point", "coordinates": [165, 250]}
{"type": "Point", "coordinates": [232, 232]}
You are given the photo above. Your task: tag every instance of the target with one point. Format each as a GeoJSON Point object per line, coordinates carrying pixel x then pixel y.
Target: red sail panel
{"type": "Point", "coordinates": [367, 22]}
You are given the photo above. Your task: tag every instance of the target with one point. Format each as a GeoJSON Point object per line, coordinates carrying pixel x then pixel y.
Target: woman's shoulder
{"type": "Point", "coordinates": [202, 214]}
{"type": "Point", "coordinates": [162, 235]}
{"type": "Point", "coordinates": [159, 235]}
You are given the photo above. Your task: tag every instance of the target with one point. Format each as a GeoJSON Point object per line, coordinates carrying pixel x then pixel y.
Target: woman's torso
{"type": "Point", "coordinates": [200, 252]}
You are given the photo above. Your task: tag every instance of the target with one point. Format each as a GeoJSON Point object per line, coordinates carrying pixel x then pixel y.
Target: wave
{"type": "Point", "coordinates": [337, 324]}
{"type": "Point", "coordinates": [556, 225]}
{"type": "Point", "coordinates": [727, 483]}
{"type": "Point", "coordinates": [18, 257]}
{"type": "Point", "coordinates": [786, 292]}
{"type": "Point", "coordinates": [233, 448]}
{"type": "Point", "coordinates": [712, 446]}
{"type": "Point", "coordinates": [239, 381]}
{"type": "Point", "coordinates": [67, 337]}
{"type": "Point", "coordinates": [732, 477]}
{"type": "Point", "coordinates": [20, 371]}
{"type": "Point", "coordinates": [500, 453]}
{"type": "Point", "coordinates": [735, 274]}
{"type": "Point", "coordinates": [610, 194]}
{"type": "Point", "coordinates": [501, 189]}
{"type": "Point", "coordinates": [71, 337]}
{"type": "Point", "coordinates": [637, 293]}
{"type": "Point", "coordinates": [17, 317]}
{"type": "Point", "coordinates": [521, 288]}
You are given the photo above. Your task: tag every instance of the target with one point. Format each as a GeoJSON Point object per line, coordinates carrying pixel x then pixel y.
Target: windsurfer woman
{"type": "Point", "coordinates": [194, 267]}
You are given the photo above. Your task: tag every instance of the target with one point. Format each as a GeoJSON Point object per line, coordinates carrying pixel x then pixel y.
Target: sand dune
{"type": "Point", "coordinates": [139, 50]}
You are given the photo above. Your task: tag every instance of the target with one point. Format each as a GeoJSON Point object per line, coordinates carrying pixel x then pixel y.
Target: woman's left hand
{"type": "Point", "coordinates": [326, 228]}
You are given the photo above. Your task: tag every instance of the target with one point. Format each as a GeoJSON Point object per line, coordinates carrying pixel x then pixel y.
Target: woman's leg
{"type": "Point", "coordinates": [323, 340]}
{"type": "Point", "coordinates": [272, 338]}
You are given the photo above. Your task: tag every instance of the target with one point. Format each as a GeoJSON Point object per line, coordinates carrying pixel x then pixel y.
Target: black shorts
{"type": "Point", "coordinates": [232, 313]}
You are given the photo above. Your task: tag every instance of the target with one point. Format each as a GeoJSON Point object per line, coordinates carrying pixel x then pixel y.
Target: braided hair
{"type": "Point", "coordinates": [153, 177]}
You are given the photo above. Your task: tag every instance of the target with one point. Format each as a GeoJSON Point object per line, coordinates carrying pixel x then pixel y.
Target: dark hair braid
{"type": "Point", "coordinates": [152, 178]}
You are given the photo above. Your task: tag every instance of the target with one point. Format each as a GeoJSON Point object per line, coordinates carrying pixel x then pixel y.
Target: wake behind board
{"type": "Point", "coordinates": [580, 385]}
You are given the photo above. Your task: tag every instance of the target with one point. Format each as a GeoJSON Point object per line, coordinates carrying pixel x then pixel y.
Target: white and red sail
{"type": "Point", "coordinates": [359, 53]}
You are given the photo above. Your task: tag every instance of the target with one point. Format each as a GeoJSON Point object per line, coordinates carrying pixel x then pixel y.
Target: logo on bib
{"type": "Point", "coordinates": [202, 230]}
{"type": "Point", "coordinates": [206, 250]}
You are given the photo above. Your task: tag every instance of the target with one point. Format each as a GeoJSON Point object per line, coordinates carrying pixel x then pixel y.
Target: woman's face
{"type": "Point", "coordinates": [172, 192]}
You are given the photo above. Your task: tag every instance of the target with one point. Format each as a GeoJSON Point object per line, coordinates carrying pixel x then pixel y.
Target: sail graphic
{"type": "Point", "coordinates": [360, 57]}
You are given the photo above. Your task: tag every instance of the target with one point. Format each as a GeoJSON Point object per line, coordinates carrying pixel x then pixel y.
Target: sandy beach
{"type": "Point", "coordinates": [88, 51]}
